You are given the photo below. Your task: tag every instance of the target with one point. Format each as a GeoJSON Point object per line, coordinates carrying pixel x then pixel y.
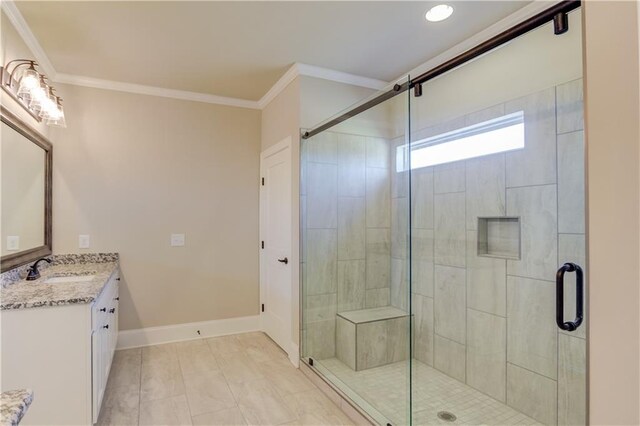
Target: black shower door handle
{"type": "Point", "coordinates": [569, 325]}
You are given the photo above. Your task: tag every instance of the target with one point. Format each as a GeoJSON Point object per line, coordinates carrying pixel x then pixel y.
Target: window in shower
{"type": "Point", "coordinates": [500, 134]}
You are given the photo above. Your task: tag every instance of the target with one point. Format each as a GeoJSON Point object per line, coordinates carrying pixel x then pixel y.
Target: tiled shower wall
{"type": "Point", "coordinates": [490, 322]}
{"type": "Point", "coordinates": [346, 216]}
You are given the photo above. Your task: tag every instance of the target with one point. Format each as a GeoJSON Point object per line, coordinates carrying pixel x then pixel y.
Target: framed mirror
{"type": "Point", "coordinates": [25, 197]}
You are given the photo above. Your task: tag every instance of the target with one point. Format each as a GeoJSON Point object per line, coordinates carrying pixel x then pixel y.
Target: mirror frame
{"type": "Point", "coordinates": [13, 260]}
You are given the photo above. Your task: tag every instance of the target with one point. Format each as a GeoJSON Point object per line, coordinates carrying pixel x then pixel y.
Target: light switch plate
{"type": "Point", "coordinates": [177, 240]}
{"type": "Point", "coordinates": [13, 242]}
{"type": "Point", "coordinates": [84, 241]}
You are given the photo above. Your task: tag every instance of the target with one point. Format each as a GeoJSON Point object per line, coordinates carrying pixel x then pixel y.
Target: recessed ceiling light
{"type": "Point", "coordinates": [439, 13]}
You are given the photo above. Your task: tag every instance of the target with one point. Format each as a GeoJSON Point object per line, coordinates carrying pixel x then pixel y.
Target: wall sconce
{"type": "Point", "coordinates": [22, 81]}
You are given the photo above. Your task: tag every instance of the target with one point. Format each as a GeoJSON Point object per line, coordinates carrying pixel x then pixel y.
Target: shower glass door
{"type": "Point", "coordinates": [497, 207]}
{"type": "Point", "coordinates": [356, 315]}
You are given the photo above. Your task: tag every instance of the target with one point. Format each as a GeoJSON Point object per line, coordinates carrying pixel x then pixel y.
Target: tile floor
{"type": "Point", "coordinates": [386, 388]}
{"type": "Point", "coordinates": [230, 380]}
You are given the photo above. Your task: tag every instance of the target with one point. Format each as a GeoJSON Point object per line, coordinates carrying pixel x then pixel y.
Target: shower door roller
{"type": "Point", "coordinates": [569, 325]}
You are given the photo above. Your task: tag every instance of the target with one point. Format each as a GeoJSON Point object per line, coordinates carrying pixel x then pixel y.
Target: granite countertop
{"type": "Point", "coordinates": [32, 294]}
{"type": "Point", "coordinates": [13, 406]}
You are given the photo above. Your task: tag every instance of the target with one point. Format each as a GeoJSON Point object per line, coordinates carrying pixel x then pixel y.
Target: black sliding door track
{"type": "Point", "coordinates": [558, 10]}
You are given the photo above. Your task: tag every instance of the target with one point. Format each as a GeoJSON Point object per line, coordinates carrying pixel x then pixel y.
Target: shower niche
{"type": "Point", "coordinates": [499, 237]}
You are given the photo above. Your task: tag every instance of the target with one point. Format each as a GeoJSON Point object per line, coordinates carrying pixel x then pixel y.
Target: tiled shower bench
{"type": "Point", "coordinates": [369, 338]}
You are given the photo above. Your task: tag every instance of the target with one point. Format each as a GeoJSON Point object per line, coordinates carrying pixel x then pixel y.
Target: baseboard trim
{"type": "Point", "coordinates": [294, 354]}
{"type": "Point", "coordinates": [189, 331]}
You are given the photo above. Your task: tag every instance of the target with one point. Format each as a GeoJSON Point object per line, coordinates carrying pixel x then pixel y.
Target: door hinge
{"type": "Point", "coordinates": [263, 307]}
{"type": "Point", "coordinates": [262, 181]}
{"type": "Point", "coordinates": [262, 244]}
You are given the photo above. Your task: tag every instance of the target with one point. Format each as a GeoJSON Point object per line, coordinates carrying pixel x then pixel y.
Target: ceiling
{"type": "Point", "coordinates": [240, 49]}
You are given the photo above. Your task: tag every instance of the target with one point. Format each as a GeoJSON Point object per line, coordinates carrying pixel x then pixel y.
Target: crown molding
{"type": "Point", "coordinates": [294, 71]}
{"type": "Point", "coordinates": [279, 86]}
{"type": "Point", "coordinates": [21, 26]}
{"type": "Point", "coordinates": [299, 69]}
{"type": "Point", "coordinates": [340, 77]}
{"type": "Point", "coordinates": [97, 83]}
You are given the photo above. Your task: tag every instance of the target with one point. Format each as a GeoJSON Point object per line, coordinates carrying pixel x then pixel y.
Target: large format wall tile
{"type": "Point", "coordinates": [378, 258]}
{"type": "Point", "coordinates": [422, 244]}
{"type": "Point", "coordinates": [322, 195]}
{"type": "Point", "coordinates": [450, 357]}
{"type": "Point", "coordinates": [377, 152]}
{"type": "Point", "coordinates": [321, 339]}
{"type": "Point", "coordinates": [399, 184]}
{"type": "Point", "coordinates": [535, 164]}
{"type": "Point", "coordinates": [351, 165]}
{"type": "Point", "coordinates": [449, 178]}
{"type": "Point", "coordinates": [351, 285]}
{"type": "Point", "coordinates": [450, 229]}
{"type": "Point", "coordinates": [398, 333]}
{"type": "Point", "coordinates": [320, 307]}
{"type": "Point", "coordinates": [486, 280]}
{"type": "Point", "coordinates": [321, 265]}
{"type": "Point", "coordinates": [571, 204]}
{"type": "Point", "coordinates": [422, 261]}
{"type": "Point", "coordinates": [422, 198]}
{"type": "Point", "coordinates": [378, 198]}
{"type": "Point", "coordinates": [537, 208]}
{"type": "Point", "coordinates": [422, 277]}
{"type": "Point", "coordinates": [399, 228]}
{"type": "Point", "coordinates": [572, 380]}
{"type": "Point", "coordinates": [322, 148]}
{"type": "Point", "coordinates": [485, 188]}
{"type": "Point", "coordinates": [532, 336]}
{"type": "Point", "coordinates": [570, 114]}
{"type": "Point", "coordinates": [400, 283]}
{"type": "Point", "coordinates": [571, 248]}
{"type": "Point", "coordinates": [423, 328]}
{"type": "Point", "coordinates": [487, 353]}
{"type": "Point", "coordinates": [351, 228]}
{"type": "Point", "coordinates": [450, 303]}
{"type": "Point", "coordinates": [377, 297]}
{"type": "Point", "coordinates": [483, 115]}
{"type": "Point", "coordinates": [533, 394]}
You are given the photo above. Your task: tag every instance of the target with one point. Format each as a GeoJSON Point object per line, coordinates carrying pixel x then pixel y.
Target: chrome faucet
{"type": "Point", "coordinates": [34, 274]}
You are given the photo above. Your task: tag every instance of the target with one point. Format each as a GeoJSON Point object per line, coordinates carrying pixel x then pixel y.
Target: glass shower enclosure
{"type": "Point", "coordinates": [443, 242]}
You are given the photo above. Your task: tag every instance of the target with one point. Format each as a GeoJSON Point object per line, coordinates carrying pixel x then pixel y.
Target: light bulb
{"type": "Point", "coordinates": [28, 81]}
{"type": "Point", "coordinates": [439, 13]}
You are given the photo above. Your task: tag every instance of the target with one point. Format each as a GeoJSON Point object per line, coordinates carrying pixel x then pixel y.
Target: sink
{"type": "Point", "coordinates": [69, 279]}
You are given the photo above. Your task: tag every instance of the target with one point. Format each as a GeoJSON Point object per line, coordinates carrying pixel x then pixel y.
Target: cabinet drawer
{"type": "Point", "coordinates": [106, 305]}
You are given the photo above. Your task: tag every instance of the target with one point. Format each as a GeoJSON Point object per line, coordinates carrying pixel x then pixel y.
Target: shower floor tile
{"type": "Point", "coordinates": [387, 387]}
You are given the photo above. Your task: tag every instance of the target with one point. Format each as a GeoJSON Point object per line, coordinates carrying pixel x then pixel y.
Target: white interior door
{"type": "Point", "coordinates": [275, 232]}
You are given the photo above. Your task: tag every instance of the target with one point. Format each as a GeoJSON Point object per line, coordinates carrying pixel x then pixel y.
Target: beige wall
{"type": "Point", "coordinates": [129, 170]}
{"type": "Point", "coordinates": [612, 110]}
{"type": "Point", "coordinates": [302, 104]}
{"type": "Point", "coordinates": [322, 99]}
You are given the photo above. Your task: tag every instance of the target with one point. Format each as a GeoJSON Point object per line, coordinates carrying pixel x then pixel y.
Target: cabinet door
{"type": "Point", "coordinates": [97, 375]}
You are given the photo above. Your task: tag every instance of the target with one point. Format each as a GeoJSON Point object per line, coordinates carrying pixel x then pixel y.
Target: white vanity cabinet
{"type": "Point", "coordinates": [104, 336]}
{"type": "Point", "coordinates": [64, 354]}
